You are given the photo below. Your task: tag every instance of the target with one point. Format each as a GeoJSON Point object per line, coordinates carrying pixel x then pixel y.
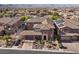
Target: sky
{"type": "Point", "coordinates": [39, 1]}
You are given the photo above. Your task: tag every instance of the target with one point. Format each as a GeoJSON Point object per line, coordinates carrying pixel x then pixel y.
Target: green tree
{"type": "Point", "coordinates": [58, 38]}
{"type": "Point", "coordinates": [25, 18]}
{"type": "Point", "coordinates": [1, 15]}
{"type": "Point", "coordinates": [55, 16]}
{"type": "Point", "coordinates": [55, 9]}
{"type": "Point", "coordinates": [6, 15]}
{"type": "Point", "coordinates": [7, 38]}
{"type": "Point", "coordinates": [1, 37]}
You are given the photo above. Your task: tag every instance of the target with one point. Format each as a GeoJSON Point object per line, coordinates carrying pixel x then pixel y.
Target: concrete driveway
{"type": "Point", "coordinates": [74, 46]}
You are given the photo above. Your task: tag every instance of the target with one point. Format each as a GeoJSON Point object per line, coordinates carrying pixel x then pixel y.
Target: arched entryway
{"type": "Point", "coordinates": [44, 37]}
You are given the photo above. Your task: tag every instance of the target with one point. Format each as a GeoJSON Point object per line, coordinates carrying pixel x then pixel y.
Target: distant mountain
{"type": "Point", "coordinates": [37, 5]}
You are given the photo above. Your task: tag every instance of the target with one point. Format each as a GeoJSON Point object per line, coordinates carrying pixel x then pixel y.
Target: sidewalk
{"type": "Point", "coordinates": [40, 50]}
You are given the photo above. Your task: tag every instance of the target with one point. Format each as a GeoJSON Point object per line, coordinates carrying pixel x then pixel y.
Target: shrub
{"type": "Point", "coordinates": [1, 15]}
{"type": "Point", "coordinates": [25, 18]}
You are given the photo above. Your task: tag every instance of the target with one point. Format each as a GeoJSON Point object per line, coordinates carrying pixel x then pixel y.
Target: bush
{"type": "Point", "coordinates": [6, 37]}
{"type": "Point", "coordinates": [1, 15]}
{"type": "Point", "coordinates": [55, 16]}
{"type": "Point", "coordinates": [25, 18]}
{"type": "Point", "coordinates": [6, 15]}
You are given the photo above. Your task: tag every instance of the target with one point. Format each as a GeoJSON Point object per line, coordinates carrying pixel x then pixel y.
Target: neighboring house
{"type": "Point", "coordinates": [68, 15]}
{"type": "Point", "coordinates": [69, 29]}
{"type": "Point", "coordinates": [39, 28]}
{"type": "Point", "coordinates": [11, 25]}
{"type": "Point", "coordinates": [1, 30]}
{"type": "Point", "coordinates": [75, 17]}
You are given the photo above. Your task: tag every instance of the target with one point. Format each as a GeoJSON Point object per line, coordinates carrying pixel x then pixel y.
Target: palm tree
{"type": "Point", "coordinates": [58, 38]}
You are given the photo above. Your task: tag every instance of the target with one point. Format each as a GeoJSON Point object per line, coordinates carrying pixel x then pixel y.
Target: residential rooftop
{"type": "Point", "coordinates": [71, 24]}
{"type": "Point", "coordinates": [30, 32]}
{"type": "Point", "coordinates": [8, 20]}
{"type": "Point", "coordinates": [44, 26]}
{"type": "Point", "coordinates": [36, 19]}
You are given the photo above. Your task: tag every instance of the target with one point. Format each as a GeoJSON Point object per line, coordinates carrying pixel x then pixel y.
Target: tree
{"type": "Point", "coordinates": [1, 37]}
{"type": "Point", "coordinates": [1, 15]}
{"type": "Point", "coordinates": [58, 38]}
{"type": "Point", "coordinates": [6, 15]}
{"type": "Point", "coordinates": [25, 18]}
{"type": "Point", "coordinates": [49, 13]}
{"type": "Point", "coordinates": [55, 16]}
{"type": "Point", "coordinates": [7, 38]}
{"type": "Point", "coordinates": [55, 9]}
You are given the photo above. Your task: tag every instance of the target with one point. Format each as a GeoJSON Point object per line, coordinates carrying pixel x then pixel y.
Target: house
{"type": "Point", "coordinates": [68, 15]}
{"type": "Point", "coordinates": [30, 35]}
{"type": "Point", "coordinates": [10, 25]}
{"type": "Point", "coordinates": [1, 30]}
{"type": "Point", "coordinates": [38, 28]}
{"type": "Point", "coordinates": [68, 29]}
{"type": "Point", "coordinates": [47, 30]}
{"type": "Point", "coordinates": [34, 20]}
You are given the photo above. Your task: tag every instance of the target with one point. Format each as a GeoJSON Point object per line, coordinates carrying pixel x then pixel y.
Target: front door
{"type": "Point", "coordinates": [45, 37]}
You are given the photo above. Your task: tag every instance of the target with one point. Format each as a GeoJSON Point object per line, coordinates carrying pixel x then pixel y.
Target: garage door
{"type": "Point", "coordinates": [66, 39]}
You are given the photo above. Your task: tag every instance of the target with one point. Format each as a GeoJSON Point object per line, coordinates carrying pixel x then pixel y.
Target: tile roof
{"type": "Point", "coordinates": [5, 20]}
{"type": "Point", "coordinates": [71, 24]}
{"type": "Point", "coordinates": [37, 19]}
{"type": "Point", "coordinates": [8, 20]}
{"type": "Point", "coordinates": [67, 23]}
{"type": "Point", "coordinates": [44, 26]}
{"type": "Point", "coordinates": [30, 32]}
{"type": "Point", "coordinates": [14, 20]}
{"type": "Point", "coordinates": [1, 28]}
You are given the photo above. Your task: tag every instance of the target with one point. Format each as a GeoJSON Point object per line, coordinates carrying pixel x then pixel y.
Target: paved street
{"type": "Point", "coordinates": [13, 51]}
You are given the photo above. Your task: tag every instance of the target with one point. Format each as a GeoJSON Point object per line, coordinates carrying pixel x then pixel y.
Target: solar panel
{"type": "Point", "coordinates": [60, 25]}
{"type": "Point", "coordinates": [59, 21]}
